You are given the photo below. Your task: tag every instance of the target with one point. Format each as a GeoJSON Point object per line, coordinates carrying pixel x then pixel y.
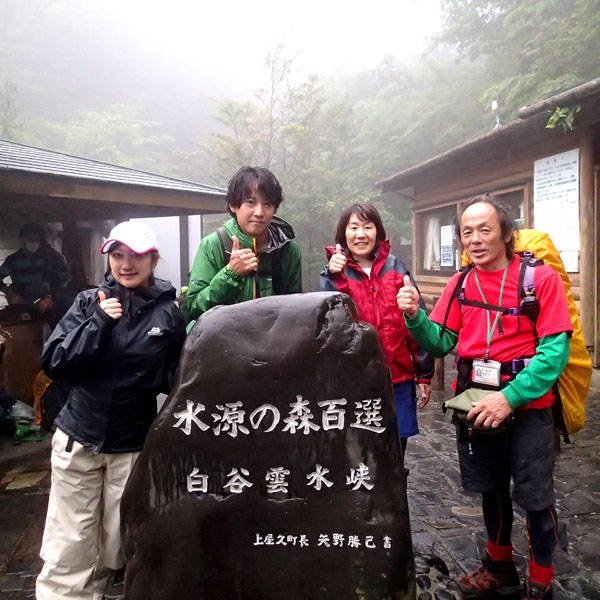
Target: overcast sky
{"type": "Point", "coordinates": [325, 36]}
{"type": "Point", "coordinates": [173, 58]}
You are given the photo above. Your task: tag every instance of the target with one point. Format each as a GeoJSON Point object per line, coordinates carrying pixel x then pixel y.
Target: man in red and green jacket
{"type": "Point", "coordinates": [503, 351]}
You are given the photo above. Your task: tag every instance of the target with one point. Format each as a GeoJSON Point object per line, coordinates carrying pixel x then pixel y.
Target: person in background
{"type": "Point", "coordinates": [51, 306]}
{"type": "Point", "coordinates": [517, 360]}
{"type": "Point", "coordinates": [118, 346]}
{"type": "Point", "coordinates": [253, 255]}
{"type": "Point", "coordinates": [17, 311]}
{"type": "Point", "coordinates": [362, 266]}
{"type": "Point", "coordinates": [36, 261]}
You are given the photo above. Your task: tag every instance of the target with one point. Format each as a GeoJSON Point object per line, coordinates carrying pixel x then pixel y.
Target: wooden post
{"type": "Point", "coordinates": [586, 233]}
{"type": "Point", "coordinates": [596, 357]}
{"type": "Point", "coordinates": [438, 375]}
{"type": "Point", "coordinates": [72, 250]}
{"type": "Point", "coordinates": [184, 251]}
{"type": "Point", "coordinates": [437, 383]}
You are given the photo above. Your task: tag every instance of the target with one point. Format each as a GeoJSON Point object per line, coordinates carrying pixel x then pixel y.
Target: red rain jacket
{"type": "Point", "coordinates": [375, 298]}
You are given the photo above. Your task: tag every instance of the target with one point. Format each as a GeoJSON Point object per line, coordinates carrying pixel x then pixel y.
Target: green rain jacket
{"type": "Point", "coordinates": [211, 283]}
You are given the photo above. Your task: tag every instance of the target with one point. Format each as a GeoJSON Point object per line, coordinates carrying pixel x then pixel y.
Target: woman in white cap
{"type": "Point", "coordinates": [118, 346]}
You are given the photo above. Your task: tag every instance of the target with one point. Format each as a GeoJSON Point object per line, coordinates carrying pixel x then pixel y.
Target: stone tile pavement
{"type": "Point", "coordinates": [446, 523]}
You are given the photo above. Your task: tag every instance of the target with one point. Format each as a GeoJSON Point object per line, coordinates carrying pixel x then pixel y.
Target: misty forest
{"type": "Point", "coordinates": [65, 86]}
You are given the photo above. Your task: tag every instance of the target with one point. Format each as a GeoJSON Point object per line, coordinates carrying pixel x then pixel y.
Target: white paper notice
{"type": "Point", "coordinates": [570, 259]}
{"type": "Point", "coordinates": [556, 201]}
{"type": "Point", "coordinates": [447, 250]}
{"type": "Point", "coordinates": [446, 235]}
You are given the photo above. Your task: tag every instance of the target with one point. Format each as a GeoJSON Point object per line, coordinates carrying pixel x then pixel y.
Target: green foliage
{"type": "Point", "coordinates": [118, 134]}
{"type": "Point", "coordinates": [563, 117]}
{"type": "Point", "coordinates": [532, 49]}
{"type": "Point", "coordinates": [298, 130]}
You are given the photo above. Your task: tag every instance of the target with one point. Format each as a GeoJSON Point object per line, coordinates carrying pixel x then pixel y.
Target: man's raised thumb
{"type": "Point", "coordinates": [338, 249]}
{"type": "Point", "coordinates": [101, 296]}
{"type": "Point", "coordinates": [407, 281]}
{"type": "Point", "coordinates": [236, 243]}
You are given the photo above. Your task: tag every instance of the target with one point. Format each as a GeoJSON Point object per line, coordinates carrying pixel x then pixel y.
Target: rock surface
{"type": "Point", "coordinates": [274, 469]}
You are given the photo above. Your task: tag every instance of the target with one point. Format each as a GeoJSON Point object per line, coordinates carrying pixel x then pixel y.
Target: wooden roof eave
{"type": "Point", "coordinates": [26, 183]}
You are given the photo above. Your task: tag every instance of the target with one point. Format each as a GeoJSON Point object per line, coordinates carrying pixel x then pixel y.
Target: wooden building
{"type": "Point", "coordinates": [81, 199]}
{"type": "Point", "coordinates": [549, 177]}
{"type": "Point", "coordinates": [78, 201]}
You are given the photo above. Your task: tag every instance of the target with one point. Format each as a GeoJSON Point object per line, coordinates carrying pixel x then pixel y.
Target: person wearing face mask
{"type": "Point", "coordinates": [362, 266]}
{"type": "Point", "coordinates": [118, 347]}
{"type": "Point", "coordinates": [35, 262]}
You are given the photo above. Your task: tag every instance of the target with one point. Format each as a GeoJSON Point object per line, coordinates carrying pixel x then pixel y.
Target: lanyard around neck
{"type": "Point", "coordinates": [490, 331]}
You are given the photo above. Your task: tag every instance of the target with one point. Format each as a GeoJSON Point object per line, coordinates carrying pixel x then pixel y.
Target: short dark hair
{"type": "Point", "coordinates": [367, 212]}
{"type": "Point", "coordinates": [246, 180]}
{"type": "Point", "coordinates": [34, 228]}
{"type": "Point", "coordinates": [508, 225]}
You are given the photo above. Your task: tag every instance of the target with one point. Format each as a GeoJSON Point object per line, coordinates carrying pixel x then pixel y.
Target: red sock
{"type": "Point", "coordinates": [497, 552]}
{"type": "Point", "coordinates": [540, 574]}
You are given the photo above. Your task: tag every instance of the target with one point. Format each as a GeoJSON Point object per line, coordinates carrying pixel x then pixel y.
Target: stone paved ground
{"type": "Point", "coordinates": [447, 525]}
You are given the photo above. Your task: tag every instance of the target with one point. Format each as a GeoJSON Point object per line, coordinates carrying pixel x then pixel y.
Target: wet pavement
{"type": "Point", "coordinates": [447, 525]}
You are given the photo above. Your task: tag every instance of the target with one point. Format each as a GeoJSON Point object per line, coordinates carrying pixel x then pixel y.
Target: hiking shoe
{"type": "Point", "coordinates": [537, 591]}
{"type": "Point", "coordinates": [493, 579]}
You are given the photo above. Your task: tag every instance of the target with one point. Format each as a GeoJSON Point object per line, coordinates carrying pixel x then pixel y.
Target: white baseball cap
{"type": "Point", "coordinates": [137, 236]}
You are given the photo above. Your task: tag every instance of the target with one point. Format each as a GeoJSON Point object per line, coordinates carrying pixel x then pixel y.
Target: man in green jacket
{"type": "Point", "coordinates": [253, 255]}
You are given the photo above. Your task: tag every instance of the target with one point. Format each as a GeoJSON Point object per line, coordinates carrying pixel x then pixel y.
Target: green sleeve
{"type": "Point", "coordinates": [539, 375]}
{"type": "Point", "coordinates": [427, 334]}
{"type": "Point", "coordinates": [292, 269]}
{"type": "Point", "coordinates": [211, 282]}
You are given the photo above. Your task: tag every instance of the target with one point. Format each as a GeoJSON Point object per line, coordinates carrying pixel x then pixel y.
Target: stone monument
{"type": "Point", "coordinates": [274, 469]}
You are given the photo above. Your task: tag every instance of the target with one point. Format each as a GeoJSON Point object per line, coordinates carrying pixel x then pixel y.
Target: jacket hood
{"type": "Point", "coordinates": [280, 233]}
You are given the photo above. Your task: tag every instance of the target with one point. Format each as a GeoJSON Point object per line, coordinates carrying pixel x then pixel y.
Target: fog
{"type": "Point", "coordinates": [173, 58]}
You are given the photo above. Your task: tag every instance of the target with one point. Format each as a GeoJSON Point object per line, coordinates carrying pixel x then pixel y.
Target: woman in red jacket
{"type": "Point", "coordinates": [361, 266]}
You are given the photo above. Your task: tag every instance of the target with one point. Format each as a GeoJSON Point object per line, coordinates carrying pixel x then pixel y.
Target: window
{"type": "Point", "coordinates": [436, 252]}
{"type": "Point", "coordinates": [514, 202]}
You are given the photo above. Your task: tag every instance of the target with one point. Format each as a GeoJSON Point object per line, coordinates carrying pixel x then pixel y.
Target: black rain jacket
{"type": "Point", "coordinates": [116, 368]}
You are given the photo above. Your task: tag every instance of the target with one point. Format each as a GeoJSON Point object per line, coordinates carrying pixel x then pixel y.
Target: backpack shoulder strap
{"type": "Point", "coordinates": [277, 272]}
{"type": "Point", "coordinates": [276, 260]}
{"type": "Point", "coordinates": [527, 274]}
{"type": "Point", "coordinates": [529, 304]}
{"type": "Point", "coordinates": [226, 243]}
{"type": "Point", "coordinates": [459, 289]}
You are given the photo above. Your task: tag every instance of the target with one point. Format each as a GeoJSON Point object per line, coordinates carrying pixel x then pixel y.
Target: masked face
{"type": "Point", "coordinates": [32, 246]}
{"type": "Point", "coordinates": [31, 242]}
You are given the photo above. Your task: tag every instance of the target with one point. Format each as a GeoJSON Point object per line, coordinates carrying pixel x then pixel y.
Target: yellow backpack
{"type": "Point", "coordinates": [574, 382]}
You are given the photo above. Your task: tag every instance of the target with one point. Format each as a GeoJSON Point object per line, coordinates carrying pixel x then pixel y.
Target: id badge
{"type": "Point", "coordinates": [486, 372]}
